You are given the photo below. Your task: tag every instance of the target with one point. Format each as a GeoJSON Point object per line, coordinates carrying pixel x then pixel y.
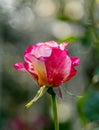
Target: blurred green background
{"type": "Point", "coordinates": [26, 22]}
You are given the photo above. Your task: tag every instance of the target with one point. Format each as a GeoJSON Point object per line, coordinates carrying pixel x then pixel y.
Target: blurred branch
{"type": "Point", "coordinates": [91, 17]}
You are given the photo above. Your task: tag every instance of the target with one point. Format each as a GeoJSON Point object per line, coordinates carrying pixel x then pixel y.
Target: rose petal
{"type": "Point", "coordinates": [25, 67]}
{"type": "Point", "coordinates": [63, 45]}
{"type": "Point", "coordinates": [50, 44]}
{"type": "Point", "coordinates": [39, 68]}
{"type": "Point", "coordinates": [42, 51]}
{"type": "Point", "coordinates": [30, 69]}
{"type": "Point", "coordinates": [75, 61]}
{"type": "Point", "coordinates": [39, 51]}
{"type": "Point", "coordinates": [72, 73]}
{"type": "Point", "coordinates": [20, 66]}
{"type": "Point", "coordinates": [58, 66]}
{"type": "Point", "coordinates": [29, 49]}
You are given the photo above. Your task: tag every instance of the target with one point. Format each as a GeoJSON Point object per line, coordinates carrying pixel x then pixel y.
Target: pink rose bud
{"type": "Point", "coordinates": [48, 63]}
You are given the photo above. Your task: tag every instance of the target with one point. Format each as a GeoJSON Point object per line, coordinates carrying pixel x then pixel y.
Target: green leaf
{"type": "Point", "coordinates": [69, 39]}
{"type": "Point", "coordinates": [88, 107]}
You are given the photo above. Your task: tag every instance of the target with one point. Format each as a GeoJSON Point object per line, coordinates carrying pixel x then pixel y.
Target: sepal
{"type": "Point", "coordinates": [39, 94]}
{"type": "Point", "coordinates": [57, 91]}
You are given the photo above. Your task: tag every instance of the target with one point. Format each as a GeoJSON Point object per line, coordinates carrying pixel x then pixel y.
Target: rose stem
{"type": "Point", "coordinates": [54, 106]}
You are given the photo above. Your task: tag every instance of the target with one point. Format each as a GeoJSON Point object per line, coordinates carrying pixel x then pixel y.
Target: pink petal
{"type": "Point", "coordinates": [28, 57]}
{"type": "Point", "coordinates": [30, 69]}
{"type": "Point", "coordinates": [25, 67]}
{"type": "Point", "coordinates": [50, 44]}
{"type": "Point", "coordinates": [39, 68]}
{"type": "Point", "coordinates": [75, 61]}
{"type": "Point", "coordinates": [42, 51]}
{"type": "Point", "coordinates": [20, 66]}
{"type": "Point", "coordinates": [72, 73]}
{"type": "Point", "coordinates": [58, 66]}
{"type": "Point", "coordinates": [30, 49]}
{"type": "Point", "coordinates": [63, 45]}
{"type": "Point", "coordinates": [39, 51]}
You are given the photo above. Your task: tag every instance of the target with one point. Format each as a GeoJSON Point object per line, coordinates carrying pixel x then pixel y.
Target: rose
{"type": "Point", "coordinates": [48, 63]}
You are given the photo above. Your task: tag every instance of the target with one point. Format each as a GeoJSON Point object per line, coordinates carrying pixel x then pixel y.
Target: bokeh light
{"type": "Point", "coordinates": [46, 8]}
{"type": "Point", "coordinates": [22, 19]}
{"type": "Point", "coordinates": [74, 10]}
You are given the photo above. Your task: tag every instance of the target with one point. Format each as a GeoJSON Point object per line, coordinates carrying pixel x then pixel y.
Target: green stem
{"type": "Point", "coordinates": [54, 105]}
